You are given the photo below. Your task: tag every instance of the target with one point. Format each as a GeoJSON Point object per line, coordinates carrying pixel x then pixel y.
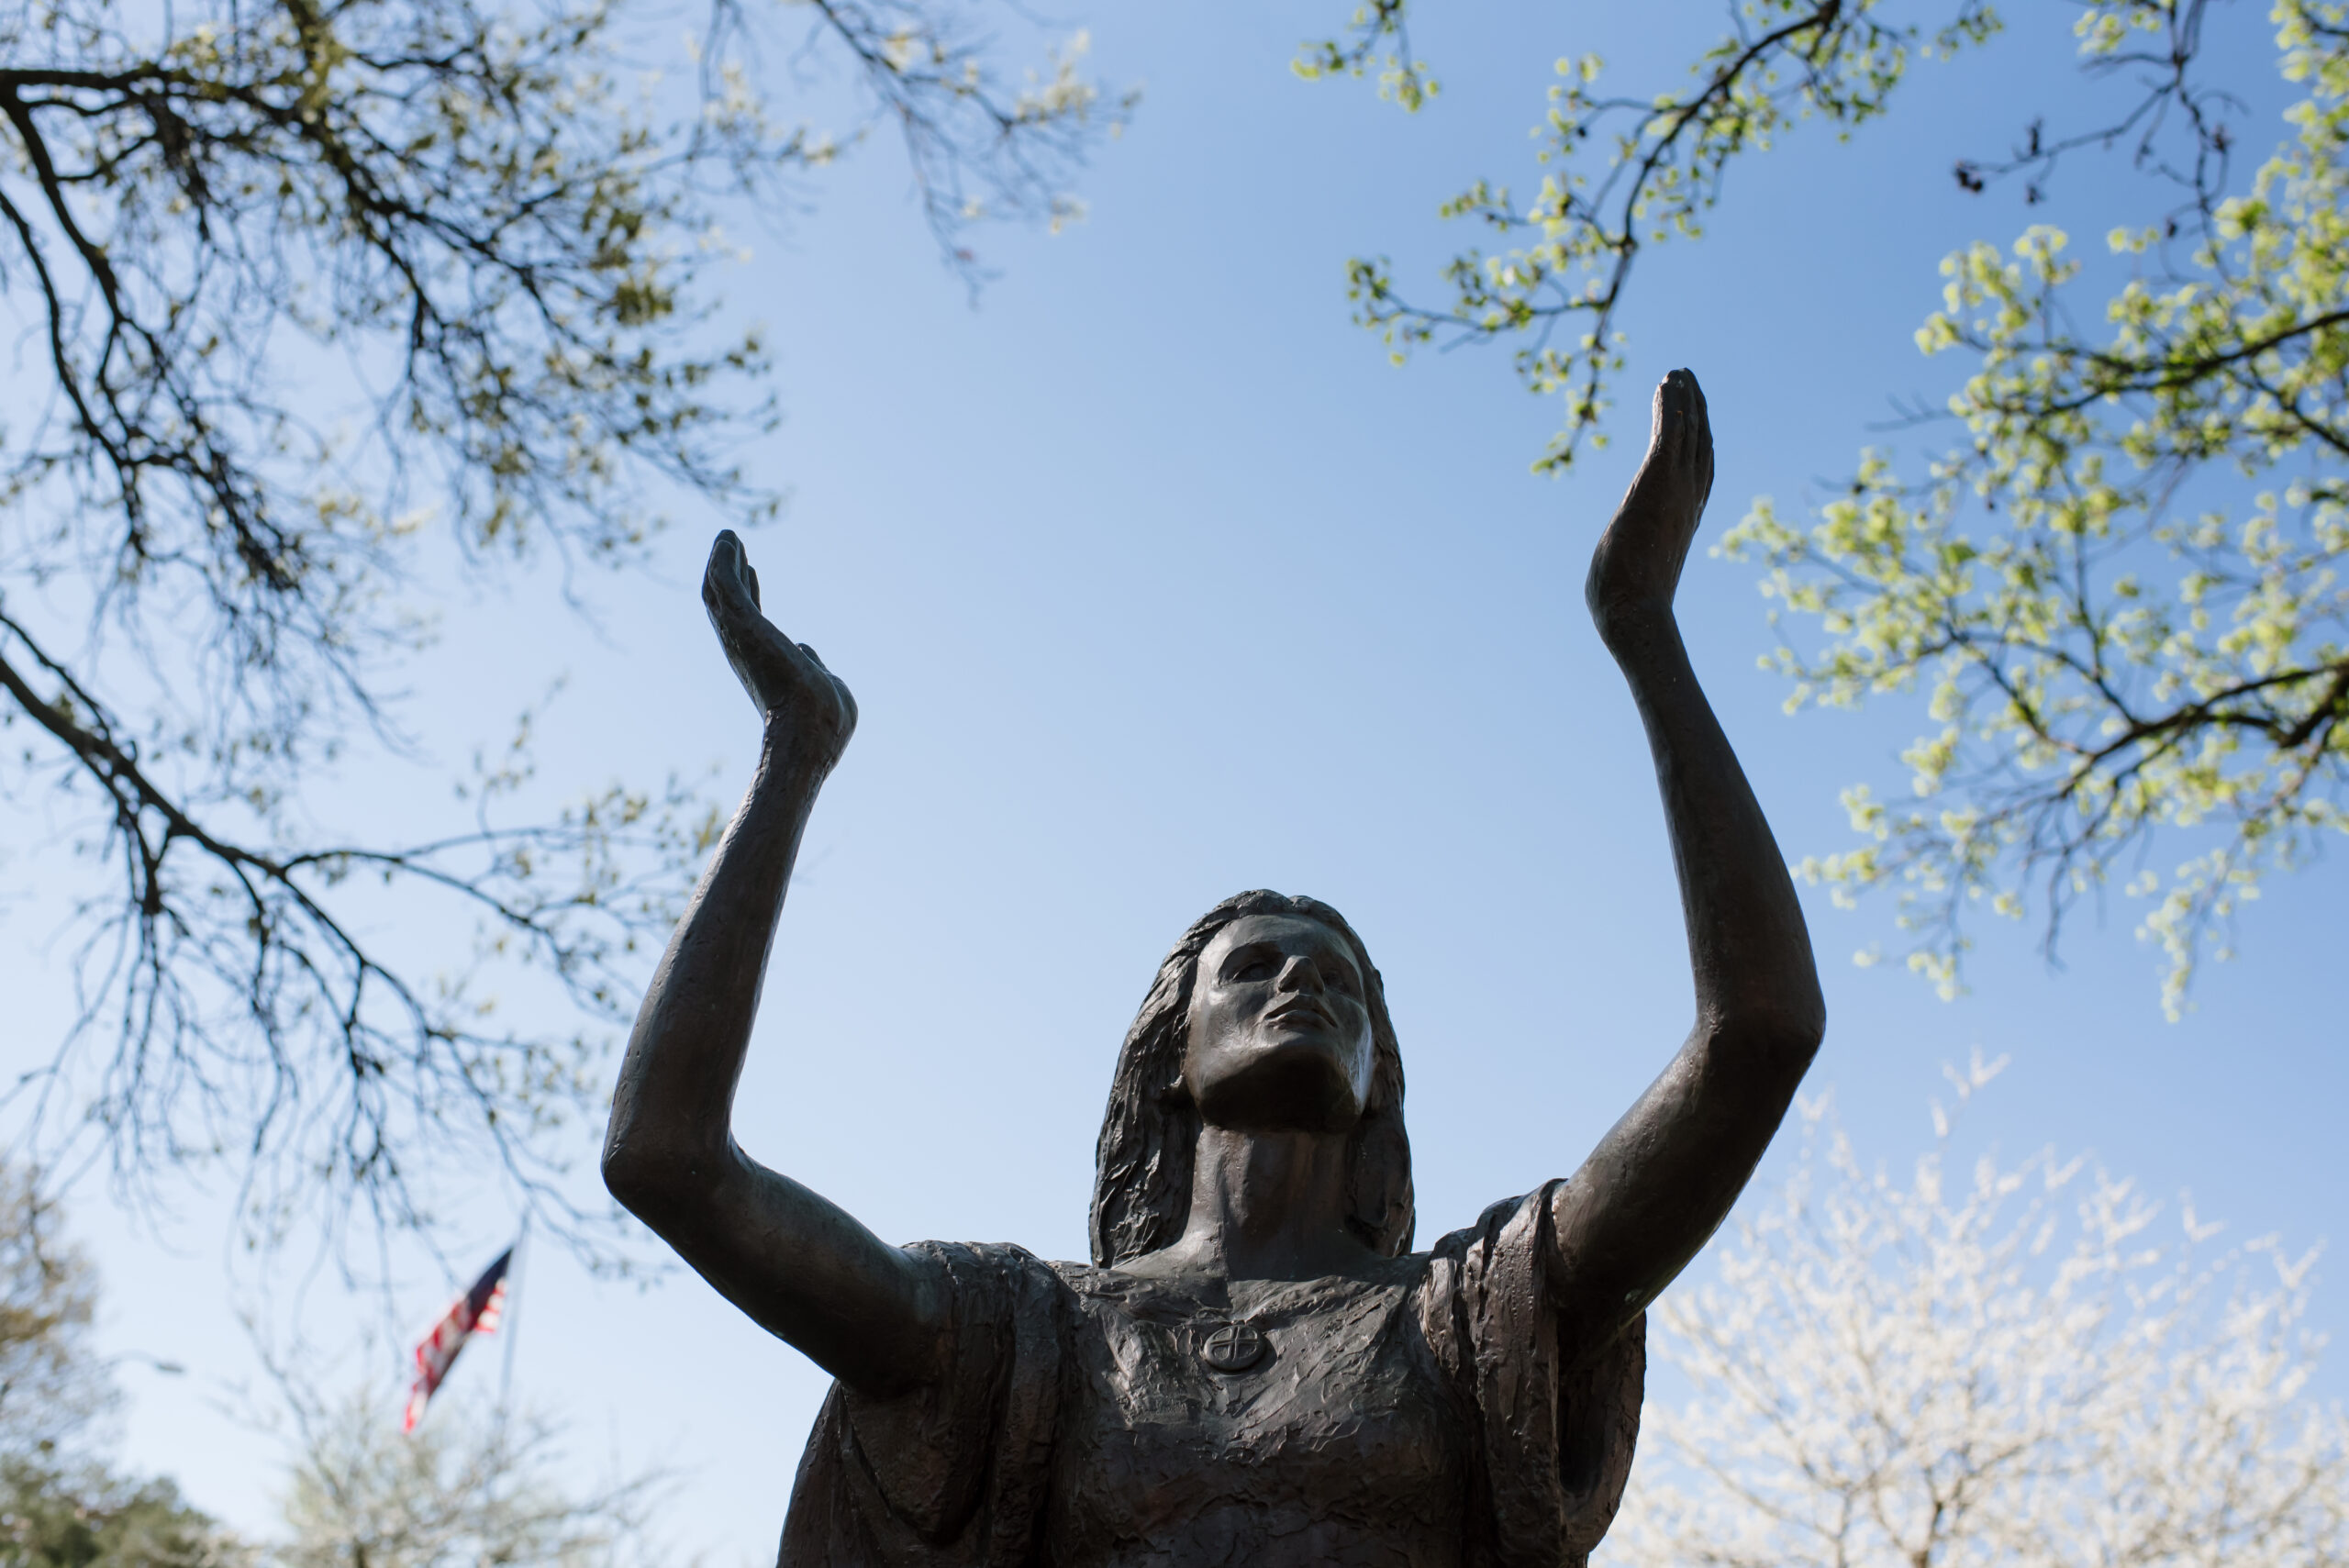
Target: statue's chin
{"type": "Point", "coordinates": [1299, 1084]}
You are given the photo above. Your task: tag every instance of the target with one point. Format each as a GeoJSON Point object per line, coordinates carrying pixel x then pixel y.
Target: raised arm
{"type": "Point", "coordinates": [866, 1312]}
{"type": "Point", "coordinates": [1663, 1178]}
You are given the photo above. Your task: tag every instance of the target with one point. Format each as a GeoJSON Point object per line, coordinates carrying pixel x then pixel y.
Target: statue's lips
{"type": "Point", "coordinates": [1302, 1014]}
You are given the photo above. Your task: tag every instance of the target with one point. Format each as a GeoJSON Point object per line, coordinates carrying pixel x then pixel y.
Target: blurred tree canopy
{"type": "Point", "coordinates": [55, 1516]}
{"type": "Point", "coordinates": [51, 1387]}
{"type": "Point", "coordinates": [61, 1505]}
{"type": "Point", "coordinates": [2117, 586]}
{"type": "Point", "coordinates": [303, 291]}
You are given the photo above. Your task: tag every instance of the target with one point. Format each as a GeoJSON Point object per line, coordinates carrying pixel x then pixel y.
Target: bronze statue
{"type": "Point", "coordinates": [1255, 1368]}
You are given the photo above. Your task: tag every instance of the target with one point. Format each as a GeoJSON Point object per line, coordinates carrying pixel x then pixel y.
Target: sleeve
{"type": "Point", "coordinates": [951, 1475]}
{"type": "Point", "coordinates": [1553, 1429]}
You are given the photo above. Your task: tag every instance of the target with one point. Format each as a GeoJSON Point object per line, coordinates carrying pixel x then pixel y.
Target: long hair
{"type": "Point", "coordinates": [1141, 1170]}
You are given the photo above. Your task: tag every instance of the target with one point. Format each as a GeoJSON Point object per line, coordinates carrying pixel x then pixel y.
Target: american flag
{"type": "Point", "coordinates": [476, 1312]}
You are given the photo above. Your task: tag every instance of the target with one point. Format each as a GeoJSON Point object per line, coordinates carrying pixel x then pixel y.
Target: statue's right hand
{"type": "Point", "coordinates": [1636, 571]}
{"type": "Point", "coordinates": [793, 691]}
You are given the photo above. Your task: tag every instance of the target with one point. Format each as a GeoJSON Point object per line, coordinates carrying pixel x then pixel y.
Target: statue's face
{"type": "Point", "coordinates": [1280, 1030]}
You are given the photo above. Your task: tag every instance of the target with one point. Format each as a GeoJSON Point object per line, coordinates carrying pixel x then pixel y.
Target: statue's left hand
{"type": "Point", "coordinates": [1636, 569]}
{"type": "Point", "coordinates": [793, 693]}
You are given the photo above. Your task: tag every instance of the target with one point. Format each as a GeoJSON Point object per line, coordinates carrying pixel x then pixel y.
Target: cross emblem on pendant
{"type": "Point", "coordinates": [1235, 1347]}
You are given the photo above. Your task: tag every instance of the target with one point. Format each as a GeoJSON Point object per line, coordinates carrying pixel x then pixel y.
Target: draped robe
{"type": "Point", "coordinates": [1425, 1414]}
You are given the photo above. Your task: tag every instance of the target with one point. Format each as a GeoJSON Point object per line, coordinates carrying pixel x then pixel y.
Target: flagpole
{"type": "Point", "coordinates": [508, 1324]}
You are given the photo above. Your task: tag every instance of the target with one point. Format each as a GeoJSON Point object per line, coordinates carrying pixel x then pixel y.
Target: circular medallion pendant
{"type": "Point", "coordinates": [1233, 1348]}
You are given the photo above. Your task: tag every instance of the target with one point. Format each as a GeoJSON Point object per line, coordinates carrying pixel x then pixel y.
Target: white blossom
{"type": "Point", "coordinates": [2027, 1363]}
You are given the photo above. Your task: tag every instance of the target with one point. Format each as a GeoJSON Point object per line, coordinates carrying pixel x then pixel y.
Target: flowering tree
{"type": "Point", "coordinates": [474, 1486]}
{"type": "Point", "coordinates": [2011, 1365]}
{"type": "Point", "coordinates": [2118, 582]}
{"type": "Point", "coordinates": [298, 287]}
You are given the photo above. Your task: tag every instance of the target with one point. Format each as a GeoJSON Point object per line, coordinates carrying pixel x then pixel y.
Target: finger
{"type": "Point", "coordinates": [729, 585]}
{"type": "Point", "coordinates": [714, 574]}
{"type": "Point", "coordinates": [1692, 432]}
{"type": "Point", "coordinates": [1704, 440]}
{"type": "Point", "coordinates": [1677, 398]}
{"type": "Point", "coordinates": [751, 573]}
{"type": "Point", "coordinates": [1705, 436]}
{"type": "Point", "coordinates": [724, 570]}
{"type": "Point", "coordinates": [1701, 432]}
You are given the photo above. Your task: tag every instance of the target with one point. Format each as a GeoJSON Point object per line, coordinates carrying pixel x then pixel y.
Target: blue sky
{"type": "Point", "coordinates": [1155, 582]}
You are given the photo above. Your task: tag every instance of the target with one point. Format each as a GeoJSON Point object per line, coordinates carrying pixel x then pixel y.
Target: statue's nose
{"type": "Point", "coordinates": [1300, 973]}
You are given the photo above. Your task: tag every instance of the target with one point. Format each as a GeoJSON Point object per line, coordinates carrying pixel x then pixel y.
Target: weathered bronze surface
{"type": "Point", "coordinates": [1255, 1367]}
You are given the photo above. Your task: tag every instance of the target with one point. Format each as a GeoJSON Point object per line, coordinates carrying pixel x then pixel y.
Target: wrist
{"type": "Point", "coordinates": [787, 751]}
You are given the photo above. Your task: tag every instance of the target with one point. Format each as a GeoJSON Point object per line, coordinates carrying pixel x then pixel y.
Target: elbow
{"type": "Point", "coordinates": [660, 1186]}
{"type": "Point", "coordinates": [1799, 1031]}
{"type": "Point", "coordinates": [626, 1174]}
{"type": "Point", "coordinates": [629, 1176]}
{"type": "Point", "coordinates": [1783, 1040]}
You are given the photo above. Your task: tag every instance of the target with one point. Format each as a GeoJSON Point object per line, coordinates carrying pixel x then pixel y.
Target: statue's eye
{"type": "Point", "coordinates": [1254, 969]}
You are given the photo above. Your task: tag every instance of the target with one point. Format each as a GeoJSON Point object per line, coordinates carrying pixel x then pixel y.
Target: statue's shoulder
{"type": "Point", "coordinates": [982, 1265]}
{"type": "Point", "coordinates": [1093, 1282]}
{"type": "Point", "coordinates": [1523, 1219]}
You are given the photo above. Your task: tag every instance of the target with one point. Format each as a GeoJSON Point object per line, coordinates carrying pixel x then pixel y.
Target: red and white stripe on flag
{"type": "Point", "coordinates": [476, 1312]}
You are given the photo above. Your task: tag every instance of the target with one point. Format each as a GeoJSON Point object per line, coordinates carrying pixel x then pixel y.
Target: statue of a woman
{"type": "Point", "coordinates": [1255, 1368]}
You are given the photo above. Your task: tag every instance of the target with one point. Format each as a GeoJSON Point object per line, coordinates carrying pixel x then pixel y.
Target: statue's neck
{"type": "Point", "coordinates": [1269, 1205]}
